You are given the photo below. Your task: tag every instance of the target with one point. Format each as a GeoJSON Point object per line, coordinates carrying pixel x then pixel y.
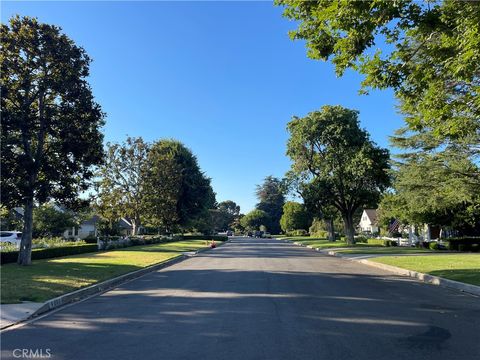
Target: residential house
{"type": "Point", "coordinates": [369, 221]}
{"type": "Point", "coordinates": [86, 228]}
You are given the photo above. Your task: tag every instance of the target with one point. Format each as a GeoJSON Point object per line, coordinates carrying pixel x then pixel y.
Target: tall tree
{"type": "Point", "coordinates": [121, 187]}
{"type": "Point", "coordinates": [254, 219]}
{"type": "Point", "coordinates": [427, 52]}
{"type": "Point", "coordinates": [50, 129]}
{"type": "Point", "coordinates": [295, 217]}
{"type": "Point", "coordinates": [349, 170]}
{"type": "Point", "coordinates": [178, 192]}
{"type": "Point", "coordinates": [425, 192]}
{"type": "Point", "coordinates": [271, 196]}
{"type": "Point", "coordinates": [303, 184]}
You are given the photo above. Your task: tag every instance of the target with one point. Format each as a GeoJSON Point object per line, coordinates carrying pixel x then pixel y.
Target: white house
{"type": "Point", "coordinates": [86, 228]}
{"type": "Point", "coordinates": [369, 221]}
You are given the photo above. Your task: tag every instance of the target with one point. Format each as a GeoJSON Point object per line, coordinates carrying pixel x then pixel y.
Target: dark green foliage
{"type": "Point", "coordinates": [49, 221]}
{"type": "Point", "coordinates": [50, 128]}
{"type": "Point", "coordinates": [463, 244]}
{"type": "Point", "coordinates": [204, 237]}
{"type": "Point", "coordinates": [271, 196]}
{"type": "Point", "coordinates": [254, 219]}
{"type": "Point", "coordinates": [347, 170]}
{"type": "Point", "coordinates": [53, 252]}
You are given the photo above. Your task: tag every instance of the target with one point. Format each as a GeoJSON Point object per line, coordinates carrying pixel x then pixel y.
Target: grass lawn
{"type": "Point", "coordinates": [46, 279]}
{"type": "Point", "coordinates": [323, 243]}
{"type": "Point", "coordinates": [386, 250]}
{"type": "Point", "coordinates": [458, 267]}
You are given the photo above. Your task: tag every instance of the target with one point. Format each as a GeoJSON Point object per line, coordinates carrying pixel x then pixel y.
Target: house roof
{"type": "Point", "coordinates": [92, 221]}
{"type": "Point", "coordinates": [372, 215]}
{"type": "Point", "coordinates": [125, 223]}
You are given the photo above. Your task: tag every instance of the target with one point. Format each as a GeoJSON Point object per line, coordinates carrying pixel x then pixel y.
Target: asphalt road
{"type": "Point", "coordinates": [260, 299]}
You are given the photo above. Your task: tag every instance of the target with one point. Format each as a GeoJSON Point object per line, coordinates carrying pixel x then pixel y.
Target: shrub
{"type": "Point", "coordinates": [52, 252]}
{"type": "Point", "coordinates": [299, 232]}
{"type": "Point", "coordinates": [361, 239]}
{"type": "Point", "coordinates": [90, 239]}
{"type": "Point", "coordinates": [468, 243]}
{"type": "Point", "coordinates": [204, 237]}
{"type": "Point", "coordinates": [379, 242]}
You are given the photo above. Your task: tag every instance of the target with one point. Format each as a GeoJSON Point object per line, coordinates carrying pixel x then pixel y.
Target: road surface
{"type": "Point", "coordinates": [260, 299]}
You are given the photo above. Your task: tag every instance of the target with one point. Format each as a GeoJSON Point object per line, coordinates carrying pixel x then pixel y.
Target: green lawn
{"type": "Point", "coordinates": [49, 278]}
{"type": "Point", "coordinates": [458, 267]}
{"type": "Point", "coordinates": [323, 243]}
{"type": "Point", "coordinates": [386, 250]}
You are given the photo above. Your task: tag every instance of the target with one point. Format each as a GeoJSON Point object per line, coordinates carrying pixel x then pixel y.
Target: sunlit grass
{"type": "Point", "coordinates": [458, 267]}
{"type": "Point", "coordinates": [49, 278]}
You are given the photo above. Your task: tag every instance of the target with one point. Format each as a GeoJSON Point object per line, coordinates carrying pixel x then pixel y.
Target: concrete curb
{"type": "Point", "coordinates": [104, 286]}
{"type": "Point", "coordinates": [426, 278]}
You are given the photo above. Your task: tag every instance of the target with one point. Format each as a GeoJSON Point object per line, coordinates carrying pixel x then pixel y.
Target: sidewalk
{"type": "Point", "coordinates": [12, 313]}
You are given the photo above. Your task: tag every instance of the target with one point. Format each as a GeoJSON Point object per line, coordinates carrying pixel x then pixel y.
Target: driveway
{"type": "Point", "coordinates": [260, 299]}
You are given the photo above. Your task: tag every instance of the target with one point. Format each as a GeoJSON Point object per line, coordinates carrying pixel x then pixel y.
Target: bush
{"type": "Point", "coordinates": [464, 244]}
{"type": "Point", "coordinates": [52, 252]}
{"type": "Point", "coordinates": [361, 239]}
{"type": "Point", "coordinates": [299, 232]}
{"type": "Point", "coordinates": [90, 239]}
{"type": "Point", "coordinates": [204, 237]}
{"type": "Point", "coordinates": [379, 242]}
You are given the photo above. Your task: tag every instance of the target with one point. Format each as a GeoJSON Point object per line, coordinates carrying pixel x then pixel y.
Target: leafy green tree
{"type": "Point", "coordinates": [427, 52]}
{"type": "Point", "coordinates": [177, 191]}
{"type": "Point", "coordinates": [271, 196]}
{"type": "Point", "coordinates": [225, 214]}
{"type": "Point", "coordinates": [302, 184]}
{"type": "Point", "coordinates": [121, 190]}
{"type": "Point", "coordinates": [50, 129]}
{"type": "Point", "coordinates": [294, 217]}
{"type": "Point", "coordinates": [51, 221]}
{"type": "Point", "coordinates": [426, 192]}
{"type": "Point", "coordinates": [254, 219]}
{"type": "Point", "coordinates": [349, 171]}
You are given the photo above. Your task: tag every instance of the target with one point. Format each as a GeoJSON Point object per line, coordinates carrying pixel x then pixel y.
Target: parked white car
{"type": "Point", "coordinates": [10, 237]}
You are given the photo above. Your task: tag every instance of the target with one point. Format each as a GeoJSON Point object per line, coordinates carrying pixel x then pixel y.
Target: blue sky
{"type": "Point", "coordinates": [222, 77]}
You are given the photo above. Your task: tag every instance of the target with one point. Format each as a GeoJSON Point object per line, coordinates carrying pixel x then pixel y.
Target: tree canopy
{"type": "Point", "coordinates": [254, 219]}
{"type": "Point", "coordinates": [349, 171]}
{"type": "Point", "coordinates": [295, 217]}
{"type": "Point", "coordinates": [50, 129]}
{"type": "Point", "coordinates": [121, 190]}
{"type": "Point", "coordinates": [271, 196]}
{"type": "Point", "coordinates": [427, 52]}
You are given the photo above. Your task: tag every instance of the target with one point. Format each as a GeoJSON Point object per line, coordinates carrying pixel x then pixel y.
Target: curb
{"type": "Point", "coordinates": [426, 278]}
{"type": "Point", "coordinates": [104, 286]}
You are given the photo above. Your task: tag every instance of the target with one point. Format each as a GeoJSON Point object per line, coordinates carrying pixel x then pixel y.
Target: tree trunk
{"type": "Point", "coordinates": [349, 228]}
{"type": "Point", "coordinates": [135, 226]}
{"type": "Point", "coordinates": [330, 229]}
{"type": "Point", "coordinates": [25, 253]}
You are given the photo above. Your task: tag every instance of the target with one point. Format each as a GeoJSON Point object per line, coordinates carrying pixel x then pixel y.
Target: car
{"type": "Point", "coordinates": [229, 233]}
{"type": "Point", "coordinates": [10, 237]}
{"type": "Point", "coordinates": [267, 235]}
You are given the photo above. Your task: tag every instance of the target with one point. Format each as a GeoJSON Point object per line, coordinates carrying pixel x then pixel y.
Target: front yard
{"type": "Point", "coordinates": [459, 267]}
{"type": "Point", "coordinates": [46, 279]}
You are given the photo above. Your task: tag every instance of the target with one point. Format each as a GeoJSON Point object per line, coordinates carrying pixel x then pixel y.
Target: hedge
{"type": "Point", "coordinates": [464, 244]}
{"type": "Point", "coordinates": [47, 253]}
{"type": "Point", "coordinates": [205, 237]}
